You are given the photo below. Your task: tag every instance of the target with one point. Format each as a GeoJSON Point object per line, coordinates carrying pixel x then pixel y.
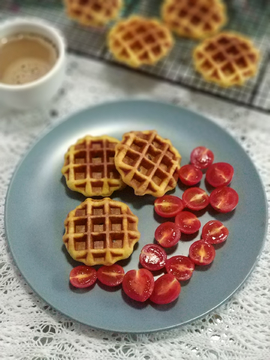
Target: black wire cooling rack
{"type": "Point", "coordinates": [249, 17]}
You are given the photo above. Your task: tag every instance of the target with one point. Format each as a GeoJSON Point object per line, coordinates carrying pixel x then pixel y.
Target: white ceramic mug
{"type": "Point", "coordinates": [40, 91]}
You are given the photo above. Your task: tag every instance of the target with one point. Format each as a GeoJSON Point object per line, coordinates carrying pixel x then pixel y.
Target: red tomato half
{"type": "Point", "coordinates": [167, 234]}
{"type": "Point", "coordinates": [166, 289]}
{"type": "Point", "coordinates": [202, 253]}
{"type": "Point", "coordinates": [153, 257]}
{"type": "Point", "coordinates": [195, 198]}
{"type": "Point", "coordinates": [214, 232]}
{"type": "Point", "coordinates": [138, 284]}
{"type": "Point", "coordinates": [187, 222]}
{"type": "Point", "coordinates": [219, 174]}
{"type": "Point", "coordinates": [201, 157]}
{"type": "Point", "coordinates": [181, 267]}
{"type": "Point", "coordinates": [111, 275]}
{"type": "Point", "coordinates": [168, 206]}
{"type": "Point", "coordinates": [82, 276]}
{"type": "Point", "coordinates": [190, 175]}
{"type": "Point", "coordinates": [224, 199]}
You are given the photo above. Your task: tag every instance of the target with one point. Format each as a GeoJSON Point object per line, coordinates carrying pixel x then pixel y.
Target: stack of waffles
{"type": "Point", "coordinates": [224, 58]}
{"type": "Point", "coordinates": [103, 231]}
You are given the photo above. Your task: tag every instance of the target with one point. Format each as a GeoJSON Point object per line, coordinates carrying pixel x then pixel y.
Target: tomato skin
{"type": "Point", "coordinates": [167, 234]}
{"type": "Point", "coordinates": [83, 276]}
{"type": "Point", "coordinates": [201, 157]}
{"type": "Point", "coordinates": [202, 253]}
{"type": "Point", "coordinates": [167, 288]}
{"type": "Point", "coordinates": [214, 232]}
{"type": "Point", "coordinates": [190, 175]}
{"type": "Point", "coordinates": [153, 257]}
{"type": "Point", "coordinates": [168, 206]}
{"type": "Point", "coordinates": [219, 174]}
{"type": "Point", "coordinates": [224, 199]}
{"type": "Point", "coordinates": [138, 284]}
{"type": "Point", "coordinates": [195, 198]}
{"type": "Point", "coordinates": [180, 266]}
{"type": "Point", "coordinates": [187, 222]}
{"type": "Point", "coordinates": [111, 275]}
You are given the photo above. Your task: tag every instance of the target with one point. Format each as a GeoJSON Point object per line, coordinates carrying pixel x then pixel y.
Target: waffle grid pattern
{"type": "Point", "coordinates": [147, 163]}
{"type": "Point", "coordinates": [93, 12]}
{"type": "Point", "coordinates": [101, 232]}
{"type": "Point", "coordinates": [194, 18]}
{"type": "Point", "coordinates": [138, 41]}
{"type": "Point", "coordinates": [249, 17]}
{"type": "Point", "coordinates": [89, 166]}
{"type": "Point", "coordinates": [227, 59]}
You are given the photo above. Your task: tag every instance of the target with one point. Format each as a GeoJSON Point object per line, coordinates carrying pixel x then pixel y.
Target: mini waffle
{"type": "Point", "coordinates": [95, 13]}
{"type": "Point", "coordinates": [101, 232]}
{"type": "Point", "coordinates": [194, 18]}
{"type": "Point", "coordinates": [136, 41]}
{"type": "Point", "coordinates": [89, 166]}
{"type": "Point", "coordinates": [147, 162]}
{"type": "Point", "coordinates": [227, 59]}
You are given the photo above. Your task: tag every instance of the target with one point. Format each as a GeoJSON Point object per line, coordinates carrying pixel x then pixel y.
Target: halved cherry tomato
{"type": "Point", "coordinates": [168, 206]}
{"type": "Point", "coordinates": [153, 257]}
{"type": "Point", "coordinates": [166, 289]}
{"type": "Point", "coordinates": [201, 252]}
{"type": "Point", "coordinates": [201, 157]}
{"type": "Point", "coordinates": [111, 275]}
{"type": "Point", "coordinates": [82, 276]}
{"type": "Point", "coordinates": [219, 174]}
{"type": "Point", "coordinates": [187, 222]}
{"type": "Point", "coordinates": [138, 284]}
{"type": "Point", "coordinates": [214, 232]}
{"type": "Point", "coordinates": [224, 199]}
{"type": "Point", "coordinates": [190, 175]}
{"type": "Point", "coordinates": [167, 234]}
{"type": "Point", "coordinates": [195, 198]}
{"type": "Point", "coordinates": [180, 266]}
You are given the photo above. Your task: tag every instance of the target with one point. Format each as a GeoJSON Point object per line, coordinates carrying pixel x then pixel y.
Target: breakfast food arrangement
{"type": "Point", "coordinates": [134, 201]}
{"type": "Point", "coordinates": [101, 232]}
{"type": "Point", "coordinates": [224, 58]}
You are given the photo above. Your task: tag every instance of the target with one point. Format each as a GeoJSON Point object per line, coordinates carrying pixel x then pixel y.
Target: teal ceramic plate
{"type": "Point", "coordinates": [38, 202]}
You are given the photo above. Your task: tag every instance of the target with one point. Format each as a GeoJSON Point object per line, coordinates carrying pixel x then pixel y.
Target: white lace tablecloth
{"type": "Point", "coordinates": [30, 329]}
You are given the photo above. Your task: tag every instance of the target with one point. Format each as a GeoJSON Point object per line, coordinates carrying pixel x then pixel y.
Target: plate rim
{"type": "Point", "coordinates": [70, 118]}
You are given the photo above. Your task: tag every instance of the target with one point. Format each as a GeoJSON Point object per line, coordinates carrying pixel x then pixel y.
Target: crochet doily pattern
{"type": "Point", "coordinates": [31, 329]}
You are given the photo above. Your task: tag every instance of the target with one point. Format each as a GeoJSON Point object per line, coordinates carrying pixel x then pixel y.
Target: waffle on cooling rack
{"type": "Point", "coordinates": [194, 18]}
{"type": "Point", "coordinates": [137, 40]}
{"type": "Point", "coordinates": [147, 162]}
{"type": "Point", "coordinates": [101, 232]}
{"type": "Point", "coordinates": [89, 166]}
{"type": "Point", "coordinates": [227, 59]}
{"type": "Point", "coordinates": [95, 13]}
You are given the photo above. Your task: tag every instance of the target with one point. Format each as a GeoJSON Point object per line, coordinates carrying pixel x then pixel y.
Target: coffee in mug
{"type": "Point", "coordinates": [25, 58]}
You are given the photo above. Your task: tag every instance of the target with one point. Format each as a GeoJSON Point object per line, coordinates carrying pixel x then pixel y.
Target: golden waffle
{"type": "Point", "coordinates": [136, 41]}
{"type": "Point", "coordinates": [95, 13]}
{"type": "Point", "coordinates": [101, 232]}
{"type": "Point", "coordinates": [194, 18]}
{"type": "Point", "coordinates": [147, 162]}
{"type": "Point", "coordinates": [226, 59]}
{"type": "Point", "coordinates": [89, 166]}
